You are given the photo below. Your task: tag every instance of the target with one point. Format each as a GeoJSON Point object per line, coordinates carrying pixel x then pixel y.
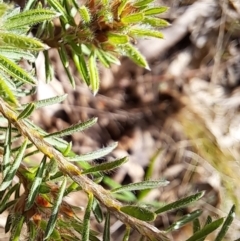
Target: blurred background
{"type": "Point", "coordinates": [179, 122]}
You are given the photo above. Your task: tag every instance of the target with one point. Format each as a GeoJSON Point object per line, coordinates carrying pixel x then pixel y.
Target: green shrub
{"type": "Point", "coordinates": [101, 31]}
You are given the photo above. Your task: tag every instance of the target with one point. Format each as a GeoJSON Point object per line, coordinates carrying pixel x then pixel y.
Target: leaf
{"type": "Point", "coordinates": [95, 154]}
{"type": "Point", "coordinates": [59, 8]}
{"type": "Point", "coordinates": [82, 67]}
{"type": "Point", "coordinates": [97, 211]}
{"type": "Point", "coordinates": [221, 234]}
{"type": "Point", "coordinates": [196, 225]}
{"type": "Point", "coordinates": [141, 186]}
{"type": "Point", "coordinates": [17, 228]}
{"type": "Point", "coordinates": [36, 184]}
{"type": "Point", "coordinates": [209, 228]}
{"type": "Point", "coordinates": [7, 196]}
{"type": "Point", "coordinates": [156, 22]}
{"type": "Point", "coordinates": [28, 110]}
{"type": "Point", "coordinates": [142, 3]}
{"type": "Point", "coordinates": [7, 151]}
{"type": "Point", "coordinates": [49, 73]}
{"type": "Point", "coordinates": [143, 32]}
{"type": "Point", "coordinates": [184, 220]}
{"type": "Point", "coordinates": [16, 54]}
{"type": "Point", "coordinates": [85, 14]}
{"type": "Point", "coordinates": [63, 56]}
{"type": "Point", "coordinates": [127, 234]}
{"type": "Point", "coordinates": [115, 38]}
{"type": "Point", "coordinates": [50, 101]}
{"type": "Point", "coordinates": [180, 203]}
{"type": "Point", "coordinates": [15, 165]}
{"type": "Point", "coordinates": [93, 73]}
{"type": "Point", "coordinates": [29, 18]}
{"type": "Point", "coordinates": [139, 213]}
{"type": "Point", "coordinates": [121, 7]}
{"type": "Point", "coordinates": [15, 71]}
{"type": "Point", "coordinates": [106, 231]}
{"type": "Point", "coordinates": [106, 166]}
{"type": "Point", "coordinates": [135, 55]}
{"type": "Point", "coordinates": [53, 218]}
{"type": "Point", "coordinates": [6, 93]}
{"type": "Point", "coordinates": [133, 18]}
{"type": "Point", "coordinates": [86, 219]}
{"type": "Point", "coordinates": [75, 128]}
{"type": "Point", "coordinates": [155, 10]}
{"type": "Point", "coordinates": [21, 42]}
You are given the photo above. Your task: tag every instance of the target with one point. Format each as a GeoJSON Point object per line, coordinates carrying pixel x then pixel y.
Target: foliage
{"type": "Point", "coordinates": [102, 30]}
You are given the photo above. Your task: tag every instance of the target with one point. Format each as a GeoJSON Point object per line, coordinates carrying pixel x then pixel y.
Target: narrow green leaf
{"type": "Point", "coordinates": [21, 42]}
{"type": "Point", "coordinates": [16, 163]}
{"type": "Point", "coordinates": [16, 230]}
{"type": "Point", "coordinates": [7, 196]}
{"type": "Point", "coordinates": [102, 58]}
{"type": "Point", "coordinates": [97, 211]}
{"type": "Point", "coordinates": [63, 56]}
{"type": "Point", "coordinates": [206, 230]}
{"type": "Point", "coordinates": [53, 218]}
{"type": "Point", "coordinates": [70, 76]}
{"type": "Point", "coordinates": [16, 54]}
{"type": "Point", "coordinates": [139, 213]}
{"type": "Point", "coordinates": [106, 231]}
{"type": "Point", "coordinates": [141, 186]}
{"type": "Point", "coordinates": [135, 55]}
{"type": "Point", "coordinates": [82, 67]}
{"type": "Point", "coordinates": [115, 38]}
{"type": "Point", "coordinates": [149, 172]}
{"type": "Point", "coordinates": [71, 188]}
{"type": "Point", "coordinates": [68, 149]}
{"type": "Point", "coordinates": [7, 151]}
{"type": "Point", "coordinates": [50, 101]}
{"type": "Point", "coordinates": [133, 18]}
{"type": "Point", "coordinates": [8, 223]}
{"type": "Point", "coordinates": [59, 8]}
{"type": "Point", "coordinates": [3, 8]}
{"type": "Point", "coordinates": [49, 73]}
{"type": "Point", "coordinates": [55, 235]}
{"type": "Point", "coordinates": [111, 58]}
{"type": "Point", "coordinates": [36, 184]}
{"type": "Point", "coordinates": [86, 219]}
{"type": "Point", "coordinates": [121, 7]}
{"type": "Point", "coordinates": [156, 22]}
{"type": "Point", "coordinates": [143, 32]}
{"type": "Point", "coordinates": [142, 3]}
{"type": "Point", "coordinates": [28, 110]}
{"type": "Point", "coordinates": [95, 154]}
{"type": "Point", "coordinates": [6, 92]}
{"type": "Point", "coordinates": [29, 18]}
{"type": "Point", "coordinates": [155, 10]}
{"type": "Point", "coordinates": [226, 224]}
{"type": "Point", "coordinates": [127, 234]}
{"type": "Point", "coordinates": [85, 14]}
{"type": "Point", "coordinates": [106, 166]}
{"type": "Point", "coordinates": [93, 73]}
{"type": "Point", "coordinates": [75, 128]}
{"type": "Point", "coordinates": [15, 71]}
{"type": "Point", "coordinates": [184, 220]}
{"type": "Point", "coordinates": [196, 225]}
{"type": "Point", "coordinates": [180, 203]}
{"type": "Point", "coordinates": [29, 4]}
{"type": "Point", "coordinates": [8, 205]}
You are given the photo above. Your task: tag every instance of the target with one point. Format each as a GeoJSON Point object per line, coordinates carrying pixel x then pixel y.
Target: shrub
{"type": "Point", "coordinates": [100, 30]}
